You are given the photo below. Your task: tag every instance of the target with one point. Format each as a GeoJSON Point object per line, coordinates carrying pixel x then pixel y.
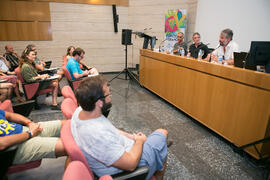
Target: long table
{"type": "Point", "coordinates": [231, 101]}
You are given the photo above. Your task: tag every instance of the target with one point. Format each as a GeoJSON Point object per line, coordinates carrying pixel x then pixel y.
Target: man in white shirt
{"type": "Point", "coordinates": [226, 48]}
{"type": "Point", "coordinates": [107, 149]}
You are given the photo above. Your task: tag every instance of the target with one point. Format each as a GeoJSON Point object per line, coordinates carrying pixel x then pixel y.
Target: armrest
{"type": "Point", "coordinates": [137, 174]}
{"type": "Point", "coordinates": [24, 108]}
{"type": "Point", "coordinates": [6, 157]}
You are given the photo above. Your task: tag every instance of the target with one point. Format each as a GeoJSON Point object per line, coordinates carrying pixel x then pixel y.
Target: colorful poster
{"type": "Point", "coordinates": [175, 21]}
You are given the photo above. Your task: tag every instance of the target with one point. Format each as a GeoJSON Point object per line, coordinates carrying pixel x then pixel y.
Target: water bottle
{"type": "Point", "coordinates": [220, 58]}
{"type": "Point", "coordinates": [200, 55]}
{"type": "Point", "coordinates": [182, 52]}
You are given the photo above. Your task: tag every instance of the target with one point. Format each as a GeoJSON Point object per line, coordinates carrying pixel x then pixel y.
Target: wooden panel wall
{"type": "Point", "coordinates": [24, 20]}
{"type": "Point", "coordinates": [96, 2]}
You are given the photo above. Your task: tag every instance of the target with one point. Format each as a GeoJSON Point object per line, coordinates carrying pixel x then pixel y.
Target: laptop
{"type": "Point", "coordinates": [241, 60]}
{"type": "Point", "coordinates": [48, 64]}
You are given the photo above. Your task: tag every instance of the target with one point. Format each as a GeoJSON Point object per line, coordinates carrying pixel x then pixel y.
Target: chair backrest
{"type": "Point", "coordinates": [66, 72]}
{"type": "Point", "coordinates": [68, 107]}
{"type": "Point", "coordinates": [71, 147]}
{"type": "Point", "coordinates": [67, 92]}
{"type": "Point", "coordinates": [6, 106]}
{"type": "Point", "coordinates": [65, 60]}
{"type": "Point", "coordinates": [19, 75]}
{"type": "Point", "coordinates": [76, 170]}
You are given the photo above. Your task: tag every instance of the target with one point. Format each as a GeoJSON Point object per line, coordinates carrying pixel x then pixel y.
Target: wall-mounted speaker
{"type": "Point", "coordinates": [126, 36]}
{"type": "Point", "coordinates": [115, 18]}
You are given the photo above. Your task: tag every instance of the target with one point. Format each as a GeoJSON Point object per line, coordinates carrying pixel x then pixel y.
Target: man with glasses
{"type": "Point", "coordinates": [180, 44]}
{"type": "Point", "coordinates": [107, 149]}
{"type": "Point", "coordinates": [73, 65]}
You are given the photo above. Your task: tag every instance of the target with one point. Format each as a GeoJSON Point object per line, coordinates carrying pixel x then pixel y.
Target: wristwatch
{"type": "Point", "coordinates": [30, 134]}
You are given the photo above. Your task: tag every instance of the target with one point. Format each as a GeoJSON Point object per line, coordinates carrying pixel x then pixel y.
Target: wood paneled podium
{"type": "Point", "coordinates": [233, 102]}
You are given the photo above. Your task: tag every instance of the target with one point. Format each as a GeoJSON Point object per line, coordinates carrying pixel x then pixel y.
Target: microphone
{"type": "Point", "coordinates": [214, 50]}
{"type": "Point", "coordinates": [160, 45]}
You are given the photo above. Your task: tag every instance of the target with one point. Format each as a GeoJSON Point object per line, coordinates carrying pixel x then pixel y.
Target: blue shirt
{"type": "Point", "coordinates": [8, 128]}
{"type": "Point", "coordinates": [73, 67]}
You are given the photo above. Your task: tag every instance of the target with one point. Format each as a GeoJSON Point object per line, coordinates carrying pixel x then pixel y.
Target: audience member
{"type": "Point", "coordinates": [39, 64]}
{"type": "Point", "coordinates": [5, 74]}
{"type": "Point", "coordinates": [226, 48]}
{"type": "Point", "coordinates": [73, 65]}
{"type": "Point", "coordinates": [12, 57]}
{"type": "Point", "coordinates": [197, 46]}
{"type": "Point", "coordinates": [180, 44]}
{"type": "Point", "coordinates": [66, 57]}
{"type": "Point", "coordinates": [29, 74]}
{"type": "Point", "coordinates": [107, 149]}
{"type": "Point", "coordinates": [35, 140]}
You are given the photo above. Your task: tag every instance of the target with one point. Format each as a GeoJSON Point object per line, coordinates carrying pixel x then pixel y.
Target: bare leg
{"type": "Point", "coordinates": [17, 92]}
{"type": "Point", "coordinates": [60, 149]}
{"type": "Point", "coordinates": [54, 93]}
{"type": "Point", "coordinates": [3, 94]}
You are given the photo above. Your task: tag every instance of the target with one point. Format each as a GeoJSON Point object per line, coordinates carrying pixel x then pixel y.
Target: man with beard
{"type": "Point", "coordinates": [107, 149]}
{"type": "Point", "coordinates": [226, 48]}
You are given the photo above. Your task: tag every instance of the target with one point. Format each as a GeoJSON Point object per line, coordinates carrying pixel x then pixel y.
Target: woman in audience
{"type": "Point", "coordinates": [29, 74]}
{"type": "Point", "coordinates": [66, 57]}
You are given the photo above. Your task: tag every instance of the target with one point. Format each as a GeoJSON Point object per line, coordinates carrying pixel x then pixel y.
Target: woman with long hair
{"type": "Point", "coordinates": [29, 74]}
{"type": "Point", "coordinates": [66, 57]}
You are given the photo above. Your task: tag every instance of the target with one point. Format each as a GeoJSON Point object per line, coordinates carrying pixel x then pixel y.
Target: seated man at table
{"type": "Point", "coordinates": [73, 65]}
{"type": "Point", "coordinates": [197, 46]}
{"type": "Point", "coordinates": [226, 48]}
{"type": "Point", "coordinates": [180, 44]}
{"type": "Point", "coordinates": [35, 140]}
{"type": "Point", "coordinates": [107, 149]}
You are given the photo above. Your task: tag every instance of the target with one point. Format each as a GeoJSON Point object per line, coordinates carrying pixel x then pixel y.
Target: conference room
{"type": "Point", "coordinates": [133, 89]}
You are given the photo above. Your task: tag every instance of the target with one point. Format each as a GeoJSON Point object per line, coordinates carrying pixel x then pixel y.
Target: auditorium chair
{"type": "Point", "coordinates": [76, 170]}
{"type": "Point", "coordinates": [73, 83]}
{"type": "Point", "coordinates": [75, 153]}
{"type": "Point", "coordinates": [67, 92]}
{"type": "Point", "coordinates": [7, 155]}
{"type": "Point", "coordinates": [31, 90]}
{"type": "Point", "coordinates": [68, 107]}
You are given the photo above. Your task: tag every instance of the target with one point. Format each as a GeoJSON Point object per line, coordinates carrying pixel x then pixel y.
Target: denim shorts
{"type": "Point", "coordinates": [154, 152]}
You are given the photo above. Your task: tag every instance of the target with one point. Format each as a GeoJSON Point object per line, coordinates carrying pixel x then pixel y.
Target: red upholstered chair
{"type": "Point", "coordinates": [67, 92]}
{"type": "Point", "coordinates": [6, 105]}
{"type": "Point", "coordinates": [68, 107]}
{"type": "Point", "coordinates": [31, 90]}
{"type": "Point", "coordinates": [76, 154]}
{"type": "Point", "coordinates": [73, 83]}
{"type": "Point", "coordinates": [8, 154]}
{"type": "Point", "coordinates": [76, 170]}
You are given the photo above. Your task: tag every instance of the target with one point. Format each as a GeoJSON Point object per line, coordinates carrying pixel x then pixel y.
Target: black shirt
{"type": "Point", "coordinates": [14, 61]}
{"type": "Point", "coordinates": [195, 51]}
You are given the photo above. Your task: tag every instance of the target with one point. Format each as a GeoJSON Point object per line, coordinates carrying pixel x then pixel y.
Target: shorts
{"type": "Point", "coordinates": [41, 146]}
{"type": "Point", "coordinates": [154, 153]}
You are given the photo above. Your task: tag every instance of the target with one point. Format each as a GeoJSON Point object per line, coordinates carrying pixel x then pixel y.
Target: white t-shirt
{"type": "Point", "coordinates": [101, 143]}
{"type": "Point", "coordinates": [3, 66]}
{"type": "Point", "coordinates": [230, 49]}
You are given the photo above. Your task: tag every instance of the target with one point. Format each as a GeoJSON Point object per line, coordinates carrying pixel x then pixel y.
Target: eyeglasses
{"type": "Point", "coordinates": [179, 36]}
{"type": "Point", "coordinates": [106, 95]}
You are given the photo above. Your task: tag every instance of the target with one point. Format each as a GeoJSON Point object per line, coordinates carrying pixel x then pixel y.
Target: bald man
{"type": "Point", "coordinates": [12, 57]}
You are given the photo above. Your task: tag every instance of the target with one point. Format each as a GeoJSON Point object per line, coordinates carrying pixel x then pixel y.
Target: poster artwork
{"type": "Point", "coordinates": [175, 21]}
